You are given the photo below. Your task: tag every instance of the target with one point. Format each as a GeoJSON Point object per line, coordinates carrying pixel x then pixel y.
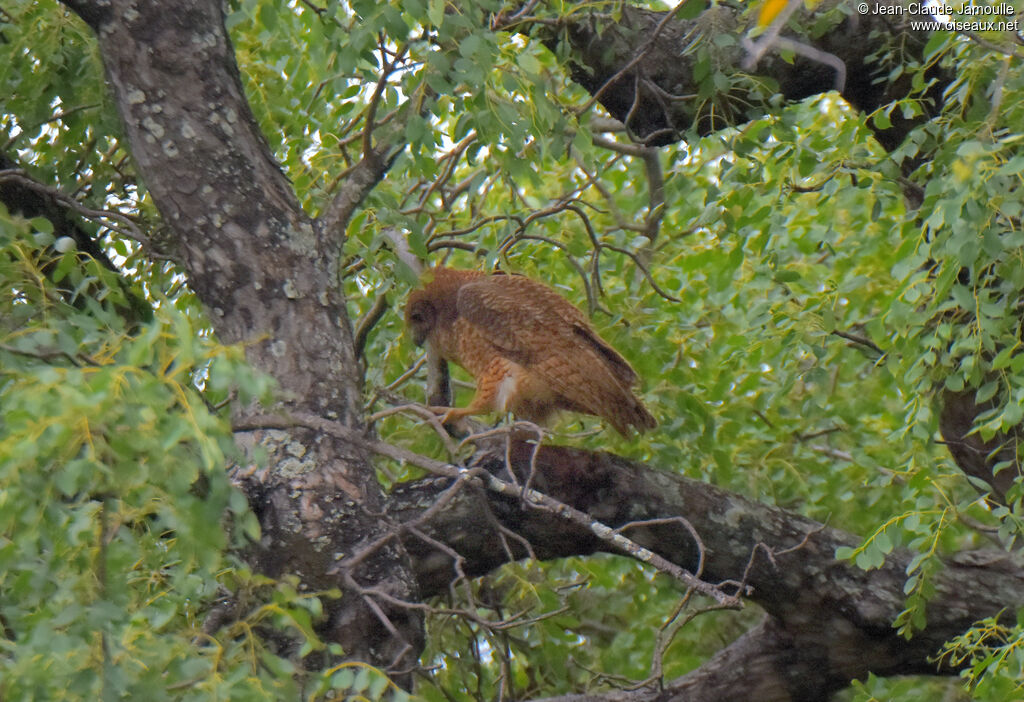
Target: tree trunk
{"type": "Point", "coordinates": [268, 276]}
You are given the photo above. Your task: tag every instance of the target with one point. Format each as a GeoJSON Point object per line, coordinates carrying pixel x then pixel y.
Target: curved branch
{"type": "Point", "coordinates": [29, 198]}
{"type": "Point", "coordinates": [829, 622]}
{"type": "Point", "coordinates": [530, 498]}
{"type": "Point", "coordinates": [638, 87]}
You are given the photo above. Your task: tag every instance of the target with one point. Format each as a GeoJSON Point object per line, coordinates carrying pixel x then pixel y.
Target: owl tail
{"type": "Point", "coordinates": [631, 413]}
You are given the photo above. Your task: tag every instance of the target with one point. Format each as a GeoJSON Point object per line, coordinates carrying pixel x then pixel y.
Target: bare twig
{"type": "Point", "coordinates": [667, 633]}
{"type": "Point", "coordinates": [817, 434]}
{"type": "Point", "coordinates": [368, 322]}
{"type": "Point", "coordinates": [861, 340]}
{"type": "Point", "coordinates": [402, 251]}
{"type": "Point", "coordinates": [673, 520]}
{"type": "Point", "coordinates": [360, 179]}
{"type": "Point", "coordinates": [798, 47]}
{"type": "Point", "coordinates": [48, 354]}
{"type": "Point", "coordinates": [404, 377]}
{"type": "Point", "coordinates": [619, 147]}
{"type": "Point", "coordinates": [423, 413]}
{"type": "Point", "coordinates": [833, 453]}
{"type": "Point", "coordinates": [643, 268]}
{"type": "Point", "coordinates": [530, 497]}
{"type": "Point", "coordinates": [656, 196]}
{"type": "Point", "coordinates": [637, 57]}
{"type": "Point", "coordinates": [56, 117]}
{"type": "Point", "coordinates": [606, 124]}
{"type": "Point", "coordinates": [500, 22]}
{"type": "Point", "coordinates": [378, 92]}
{"type": "Point", "coordinates": [771, 553]}
{"type": "Point", "coordinates": [991, 46]}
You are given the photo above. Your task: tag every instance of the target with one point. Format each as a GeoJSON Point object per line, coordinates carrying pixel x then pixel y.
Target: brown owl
{"type": "Point", "coordinates": [531, 352]}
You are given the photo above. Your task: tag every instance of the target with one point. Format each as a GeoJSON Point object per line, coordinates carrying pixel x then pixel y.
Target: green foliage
{"type": "Point", "coordinates": [313, 103]}
{"type": "Point", "coordinates": [791, 319]}
{"type": "Point", "coordinates": [994, 656]}
{"type": "Point", "coordinates": [358, 681]}
{"type": "Point", "coordinates": [876, 689]}
{"type": "Point", "coordinates": [56, 112]}
{"type": "Point", "coordinates": [600, 625]}
{"type": "Point", "coordinates": [115, 508]}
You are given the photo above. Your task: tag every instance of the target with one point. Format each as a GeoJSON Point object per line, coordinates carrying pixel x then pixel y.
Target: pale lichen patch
{"type": "Point", "coordinates": [153, 127]}
{"type": "Point", "coordinates": [291, 467]}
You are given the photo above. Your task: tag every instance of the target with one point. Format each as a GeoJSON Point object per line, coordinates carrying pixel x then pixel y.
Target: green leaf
{"type": "Point", "coordinates": [435, 13]}
{"type": "Point", "coordinates": [844, 553]}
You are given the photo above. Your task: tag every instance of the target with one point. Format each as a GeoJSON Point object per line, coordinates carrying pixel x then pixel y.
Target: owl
{"type": "Point", "coordinates": [532, 353]}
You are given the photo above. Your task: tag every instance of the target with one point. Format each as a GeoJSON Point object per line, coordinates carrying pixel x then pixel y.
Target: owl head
{"type": "Point", "coordinates": [420, 316]}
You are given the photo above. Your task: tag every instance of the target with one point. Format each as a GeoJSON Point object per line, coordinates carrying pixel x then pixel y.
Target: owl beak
{"type": "Point", "coordinates": [419, 337]}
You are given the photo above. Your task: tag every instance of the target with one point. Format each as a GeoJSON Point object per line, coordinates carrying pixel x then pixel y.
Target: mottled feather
{"type": "Point", "coordinates": [531, 351]}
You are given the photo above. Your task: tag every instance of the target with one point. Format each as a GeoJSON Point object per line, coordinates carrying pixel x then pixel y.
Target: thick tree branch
{"type": "Point", "coordinates": [269, 279]}
{"type": "Point", "coordinates": [829, 621]}
{"type": "Point", "coordinates": [613, 538]}
{"type": "Point", "coordinates": [643, 66]}
{"type": "Point", "coordinates": [359, 182]}
{"type": "Point", "coordinates": [992, 463]}
{"type": "Point", "coordinates": [29, 198]}
{"type": "Point", "coordinates": [376, 158]}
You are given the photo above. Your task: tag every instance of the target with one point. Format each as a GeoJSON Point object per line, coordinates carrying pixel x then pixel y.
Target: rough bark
{"type": "Point", "coordinates": [828, 622]}
{"type": "Point", "coordinates": [268, 276]}
{"type": "Point", "coordinates": [994, 462]}
{"type": "Point", "coordinates": [659, 98]}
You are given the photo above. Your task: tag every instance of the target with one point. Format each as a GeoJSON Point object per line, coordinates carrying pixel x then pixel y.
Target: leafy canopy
{"type": "Point", "coordinates": [116, 514]}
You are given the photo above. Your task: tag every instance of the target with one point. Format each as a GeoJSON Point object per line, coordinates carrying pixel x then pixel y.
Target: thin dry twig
{"type": "Point", "coordinates": [619, 147]}
{"type": "Point", "coordinates": [369, 153]}
{"type": "Point", "coordinates": [771, 553]}
{"type": "Point", "coordinates": [859, 340]}
{"type": "Point", "coordinates": [641, 52]}
{"type": "Point", "coordinates": [404, 377]}
{"type": "Point", "coordinates": [48, 354]}
{"type": "Point", "coordinates": [529, 497]}
{"type": "Point", "coordinates": [421, 412]}
{"type": "Point", "coordinates": [350, 563]}
{"type": "Point", "coordinates": [667, 634]}
{"type": "Point", "coordinates": [699, 571]}
{"type": "Point", "coordinates": [772, 39]}
{"type": "Point", "coordinates": [833, 453]}
{"type": "Point", "coordinates": [368, 322]}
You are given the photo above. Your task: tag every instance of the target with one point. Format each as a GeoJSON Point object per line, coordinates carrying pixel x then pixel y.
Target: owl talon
{"type": "Point", "coordinates": [447, 415]}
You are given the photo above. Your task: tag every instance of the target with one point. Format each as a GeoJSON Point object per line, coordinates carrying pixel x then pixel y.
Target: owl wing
{"type": "Point", "coordinates": [531, 323]}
